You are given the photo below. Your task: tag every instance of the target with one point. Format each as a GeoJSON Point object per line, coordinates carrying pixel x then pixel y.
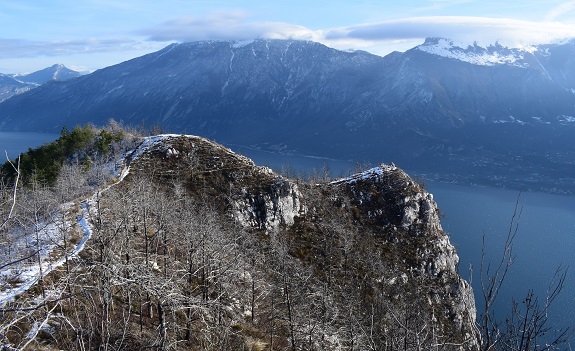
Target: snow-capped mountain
{"type": "Point", "coordinates": [554, 61]}
{"type": "Point", "coordinates": [477, 55]}
{"type": "Point", "coordinates": [438, 108]}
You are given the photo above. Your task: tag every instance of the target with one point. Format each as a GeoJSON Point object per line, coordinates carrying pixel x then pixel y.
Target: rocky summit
{"type": "Point", "coordinates": [174, 242]}
{"type": "Point", "coordinates": [356, 262]}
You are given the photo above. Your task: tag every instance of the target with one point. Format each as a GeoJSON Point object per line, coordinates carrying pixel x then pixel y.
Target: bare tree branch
{"type": "Point", "coordinates": [17, 169]}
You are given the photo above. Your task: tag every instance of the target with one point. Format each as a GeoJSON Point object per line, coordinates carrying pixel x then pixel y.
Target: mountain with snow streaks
{"type": "Point", "coordinates": [491, 115]}
{"type": "Point", "coordinates": [10, 87]}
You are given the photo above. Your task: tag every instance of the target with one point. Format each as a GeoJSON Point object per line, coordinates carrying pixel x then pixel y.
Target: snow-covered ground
{"type": "Point", "coordinates": [19, 277]}
{"type": "Point", "coordinates": [27, 268]}
{"type": "Point", "coordinates": [370, 173]}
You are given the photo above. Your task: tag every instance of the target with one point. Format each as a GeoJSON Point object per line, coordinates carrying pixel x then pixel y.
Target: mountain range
{"type": "Point", "coordinates": [489, 115]}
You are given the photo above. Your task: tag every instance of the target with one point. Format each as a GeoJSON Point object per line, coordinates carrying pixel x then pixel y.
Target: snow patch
{"type": "Point", "coordinates": [370, 173]}
{"type": "Point", "coordinates": [114, 89]}
{"type": "Point", "coordinates": [241, 43]}
{"type": "Point", "coordinates": [27, 273]}
{"type": "Point", "coordinates": [564, 119]}
{"type": "Point", "coordinates": [512, 120]}
{"type": "Point", "coordinates": [540, 120]}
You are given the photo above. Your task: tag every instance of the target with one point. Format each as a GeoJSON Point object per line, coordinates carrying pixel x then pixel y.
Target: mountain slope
{"type": "Point", "coordinates": [10, 87]}
{"type": "Point", "coordinates": [436, 109]}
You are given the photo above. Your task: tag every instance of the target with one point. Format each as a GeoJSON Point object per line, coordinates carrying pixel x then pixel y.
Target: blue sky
{"type": "Point", "coordinates": [91, 34]}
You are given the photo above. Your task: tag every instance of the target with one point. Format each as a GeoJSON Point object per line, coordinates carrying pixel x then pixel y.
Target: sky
{"type": "Point", "coordinates": [92, 34]}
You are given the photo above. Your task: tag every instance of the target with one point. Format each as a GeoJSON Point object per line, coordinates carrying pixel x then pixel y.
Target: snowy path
{"type": "Point", "coordinates": [28, 273]}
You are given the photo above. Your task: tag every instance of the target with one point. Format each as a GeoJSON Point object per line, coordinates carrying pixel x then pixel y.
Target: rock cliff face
{"type": "Point", "coordinates": [371, 244]}
{"type": "Point", "coordinates": [409, 219]}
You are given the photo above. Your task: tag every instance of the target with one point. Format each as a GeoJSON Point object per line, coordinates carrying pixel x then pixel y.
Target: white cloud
{"type": "Point", "coordinates": [225, 26]}
{"type": "Point", "coordinates": [485, 30]}
{"type": "Point", "coordinates": [380, 38]}
{"type": "Point", "coordinates": [560, 10]}
{"type": "Point", "coordinates": [25, 48]}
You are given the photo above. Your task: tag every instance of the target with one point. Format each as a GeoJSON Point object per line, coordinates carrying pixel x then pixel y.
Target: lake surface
{"type": "Point", "coordinates": [298, 164]}
{"type": "Point", "coordinates": [15, 143]}
{"type": "Point", "coordinates": [545, 240]}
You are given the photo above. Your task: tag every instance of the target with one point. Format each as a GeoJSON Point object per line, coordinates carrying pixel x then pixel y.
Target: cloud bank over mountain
{"type": "Point", "coordinates": [109, 33]}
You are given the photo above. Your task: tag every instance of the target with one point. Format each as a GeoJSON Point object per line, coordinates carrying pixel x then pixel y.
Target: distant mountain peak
{"type": "Point", "coordinates": [55, 72]}
{"type": "Point", "coordinates": [492, 55]}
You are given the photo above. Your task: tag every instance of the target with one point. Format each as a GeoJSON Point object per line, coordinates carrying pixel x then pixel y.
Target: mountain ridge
{"type": "Point", "coordinates": [192, 245]}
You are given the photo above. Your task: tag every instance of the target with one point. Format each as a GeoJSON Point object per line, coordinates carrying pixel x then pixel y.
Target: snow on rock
{"type": "Point", "coordinates": [389, 198]}
{"type": "Point", "coordinates": [564, 119]}
{"type": "Point", "coordinates": [370, 173]}
{"type": "Point", "coordinates": [147, 144]}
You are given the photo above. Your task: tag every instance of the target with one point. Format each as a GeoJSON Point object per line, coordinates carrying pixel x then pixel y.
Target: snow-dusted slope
{"type": "Point", "coordinates": [20, 275]}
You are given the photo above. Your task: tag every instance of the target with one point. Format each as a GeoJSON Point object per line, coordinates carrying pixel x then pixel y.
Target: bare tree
{"type": "Point", "coordinates": [528, 327]}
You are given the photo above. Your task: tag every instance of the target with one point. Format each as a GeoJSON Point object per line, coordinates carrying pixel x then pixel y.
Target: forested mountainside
{"type": "Point", "coordinates": [492, 115]}
{"type": "Point", "coordinates": [194, 247]}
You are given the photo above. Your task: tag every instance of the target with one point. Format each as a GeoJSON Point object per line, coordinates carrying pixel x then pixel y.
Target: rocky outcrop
{"type": "Point", "coordinates": [269, 210]}
{"type": "Point", "coordinates": [373, 239]}
{"type": "Point", "coordinates": [409, 217]}
{"type": "Point", "coordinates": [258, 197]}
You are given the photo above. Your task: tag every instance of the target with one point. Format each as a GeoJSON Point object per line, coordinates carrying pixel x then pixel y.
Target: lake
{"type": "Point", "coordinates": [15, 143]}
{"type": "Point", "coordinates": [545, 240]}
